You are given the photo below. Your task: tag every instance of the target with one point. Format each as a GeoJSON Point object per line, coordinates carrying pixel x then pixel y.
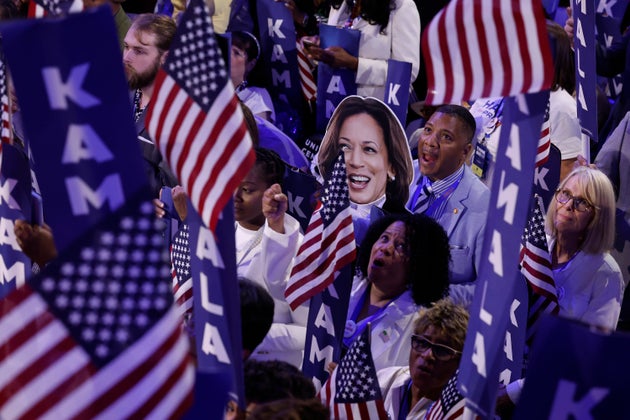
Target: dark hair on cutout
{"type": "Point", "coordinates": [271, 165]}
{"type": "Point", "coordinates": [429, 255]}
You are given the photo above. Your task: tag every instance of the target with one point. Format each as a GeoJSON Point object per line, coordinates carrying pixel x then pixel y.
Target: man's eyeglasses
{"type": "Point", "coordinates": [440, 351]}
{"type": "Point", "coordinates": [579, 203]}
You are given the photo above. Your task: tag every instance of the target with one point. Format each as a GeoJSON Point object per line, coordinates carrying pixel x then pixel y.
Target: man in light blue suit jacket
{"type": "Point", "coordinates": [445, 188]}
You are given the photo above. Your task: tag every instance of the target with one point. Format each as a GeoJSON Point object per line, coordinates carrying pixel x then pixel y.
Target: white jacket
{"type": "Point", "coordinates": [269, 264]}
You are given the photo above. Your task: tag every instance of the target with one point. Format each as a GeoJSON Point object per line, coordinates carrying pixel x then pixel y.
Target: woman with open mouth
{"type": "Point", "coordinates": [402, 265]}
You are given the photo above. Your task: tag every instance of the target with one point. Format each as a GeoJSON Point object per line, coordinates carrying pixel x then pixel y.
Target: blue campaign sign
{"type": "Point", "coordinates": [514, 345]}
{"type": "Point", "coordinates": [576, 372]}
{"type": "Point", "coordinates": [609, 14]}
{"type": "Point", "coordinates": [585, 72]}
{"type": "Point", "coordinates": [300, 189]}
{"type": "Point", "coordinates": [325, 327]}
{"type": "Point", "coordinates": [75, 104]}
{"type": "Point", "coordinates": [333, 85]}
{"type": "Point", "coordinates": [547, 176]}
{"type": "Point", "coordinates": [216, 305]}
{"type": "Point", "coordinates": [15, 203]}
{"type": "Point", "coordinates": [397, 88]}
{"type": "Point", "coordinates": [485, 348]}
{"type": "Point", "coordinates": [279, 51]}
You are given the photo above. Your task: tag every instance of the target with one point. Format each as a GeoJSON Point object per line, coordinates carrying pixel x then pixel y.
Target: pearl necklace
{"type": "Point", "coordinates": [251, 245]}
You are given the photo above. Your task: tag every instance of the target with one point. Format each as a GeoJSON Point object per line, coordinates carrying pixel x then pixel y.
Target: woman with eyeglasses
{"type": "Point", "coordinates": [402, 264]}
{"type": "Point", "coordinates": [436, 349]}
{"type": "Point", "coordinates": [581, 225]}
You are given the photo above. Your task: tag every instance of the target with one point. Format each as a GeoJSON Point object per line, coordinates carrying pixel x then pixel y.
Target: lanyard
{"type": "Point", "coordinates": [405, 403]}
{"type": "Point", "coordinates": [354, 327]}
{"type": "Point", "coordinates": [137, 107]}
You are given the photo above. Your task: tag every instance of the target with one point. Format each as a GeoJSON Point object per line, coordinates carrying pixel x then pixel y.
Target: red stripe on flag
{"type": "Point", "coordinates": [463, 45]}
{"type": "Point", "coordinates": [520, 62]}
{"type": "Point", "coordinates": [487, 68]}
{"type": "Point", "coordinates": [187, 143]}
{"type": "Point", "coordinates": [526, 64]}
{"type": "Point", "coordinates": [448, 62]}
{"type": "Point", "coordinates": [182, 113]}
{"type": "Point", "coordinates": [503, 49]}
{"type": "Point", "coordinates": [69, 385]}
{"type": "Point", "coordinates": [128, 381]}
{"type": "Point", "coordinates": [146, 409]}
{"type": "Point", "coordinates": [208, 146]}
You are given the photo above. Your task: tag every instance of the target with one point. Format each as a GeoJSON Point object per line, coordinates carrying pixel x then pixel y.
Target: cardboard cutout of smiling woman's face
{"type": "Point", "coordinates": [367, 161]}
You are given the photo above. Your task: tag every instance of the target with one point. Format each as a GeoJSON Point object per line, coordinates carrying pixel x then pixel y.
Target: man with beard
{"type": "Point", "coordinates": [145, 49]}
{"type": "Point", "coordinates": [446, 189]}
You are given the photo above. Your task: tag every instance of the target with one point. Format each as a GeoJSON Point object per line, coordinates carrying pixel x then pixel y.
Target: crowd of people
{"type": "Point", "coordinates": [419, 210]}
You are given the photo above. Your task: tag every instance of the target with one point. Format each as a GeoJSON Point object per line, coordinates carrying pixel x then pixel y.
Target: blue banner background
{"type": "Point", "coordinates": [15, 182]}
{"type": "Point", "coordinates": [277, 33]}
{"type": "Point", "coordinates": [571, 363]}
{"type": "Point", "coordinates": [86, 46]}
{"type": "Point", "coordinates": [318, 338]}
{"type": "Point", "coordinates": [217, 315]}
{"type": "Point", "coordinates": [585, 72]}
{"type": "Point", "coordinates": [484, 355]}
{"type": "Point", "coordinates": [329, 97]}
{"type": "Point", "coordinates": [397, 88]}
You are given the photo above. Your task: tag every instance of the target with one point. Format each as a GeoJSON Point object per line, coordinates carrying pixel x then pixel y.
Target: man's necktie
{"type": "Point", "coordinates": [424, 200]}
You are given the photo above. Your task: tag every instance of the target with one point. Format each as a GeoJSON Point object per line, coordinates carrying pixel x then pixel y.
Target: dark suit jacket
{"type": "Point", "coordinates": [157, 170]}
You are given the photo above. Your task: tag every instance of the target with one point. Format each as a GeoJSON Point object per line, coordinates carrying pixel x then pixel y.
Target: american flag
{"type": "Point", "coordinates": [97, 335]}
{"type": "Point", "coordinates": [6, 132]}
{"type": "Point", "coordinates": [306, 68]}
{"type": "Point", "coordinates": [180, 271]}
{"type": "Point", "coordinates": [544, 143]}
{"type": "Point", "coordinates": [41, 8]}
{"type": "Point", "coordinates": [450, 405]}
{"type": "Point", "coordinates": [536, 267]}
{"type": "Point", "coordinates": [328, 243]}
{"type": "Point", "coordinates": [485, 48]}
{"type": "Point", "coordinates": [353, 391]}
{"type": "Point", "coordinates": [195, 117]}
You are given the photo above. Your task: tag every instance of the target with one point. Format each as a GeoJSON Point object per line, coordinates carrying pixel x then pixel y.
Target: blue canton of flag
{"type": "Point", "coordinates": [335, 198]}
{"type": "Point", "coordinates": [353, 391]}
{"type": "Point", "coordinates": [195, 117]}
{"type": "Point", "coordinates": [180, 271]}
{"type": "Point", "coordinates": [97, 335]}
{"type": "Point", "coordinates": [328, 244]}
